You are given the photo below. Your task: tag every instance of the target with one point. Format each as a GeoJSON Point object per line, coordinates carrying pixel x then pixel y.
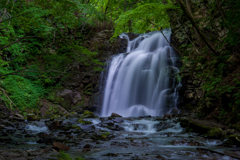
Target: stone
{"type": "Point", "coordinates": [87, 146]}
{"type": "Point", "coordinates": [215, 133]}
{"type": "Point", "coordinates": [174, 111]}
{"type": "Point", "coordinates": [115, 115]}
{"type": "Point", "coordinates": [34, 152]}
{"type": "Point", "coordinates": [199, 94]}
{"type": "Point", "coordinates": [86, 150]}
{"type": "Point", "coordinates": [55, 125]}
{"type": "Point", "coordinates": [7, 123]}
{"type": "Point", "coordinates": [77, 97]}
{"type": "Point", "coordinates": [31, 117]}
{"type": "Point", "coordinates": [88, 114]}
{"type": "Point", "coordinates": [10, 154]}
{"type": "Point", "coordinates": [60, 146]}
{"type": "Point", "coordinates": [234, 139]}
{"type": "Point", "coordinates": [3, 115]}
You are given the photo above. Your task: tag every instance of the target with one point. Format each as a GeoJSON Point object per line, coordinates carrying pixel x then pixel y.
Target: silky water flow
{"type": "Point", "coordinates": [143, 80]}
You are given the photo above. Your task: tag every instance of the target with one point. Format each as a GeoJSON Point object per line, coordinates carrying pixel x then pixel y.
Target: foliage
{"type": "Point", "coordinates": [42, 41]}
{"type": "Point", "coordinates": [149, 16]}
{"type": "Point", "coordinates": [22, 91]}
{"type": "Point", "coordinates": [232, 22]}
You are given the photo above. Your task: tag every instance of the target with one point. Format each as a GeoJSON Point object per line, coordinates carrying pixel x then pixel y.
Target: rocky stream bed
{"type": "Point", "coordinates": [115, 137]}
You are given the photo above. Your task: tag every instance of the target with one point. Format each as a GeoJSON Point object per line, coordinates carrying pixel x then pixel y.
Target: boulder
{"type": "Point", "coordinates": [60, 146]}
{"type": "Point", "coordinates": [88, 114]}
{"type": "Point", "coordinates": [31, 117]}
{"type": "Point", "coordinates": [115, 115]}
{"type": "Point", "coordinates": [3, 115]}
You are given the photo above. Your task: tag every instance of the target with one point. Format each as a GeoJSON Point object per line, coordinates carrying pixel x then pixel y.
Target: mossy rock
{"type": "Point", "coordinates": [88, 114]}
{"type": "Point", "coordinates": [80, 120]}
{"type": "Point", "coordinates": [55, 116]}
{"type": "Point", "coordinates": [215, 133]}
{"type": "Point", "coordinates": [32, 117]}
{"type": "Point", "coordinates": [234, 139]}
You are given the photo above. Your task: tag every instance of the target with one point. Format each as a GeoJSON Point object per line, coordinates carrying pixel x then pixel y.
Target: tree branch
{"type": "Point", "coordinates": [184, 8]}
{"type": "Point", "coordinates": [10, 101]}
{"type": "Point", "coordinates": [166, 38]}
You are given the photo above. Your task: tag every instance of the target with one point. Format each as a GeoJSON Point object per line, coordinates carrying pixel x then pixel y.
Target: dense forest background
{"type": "Point", "coordinates": [42, 41]}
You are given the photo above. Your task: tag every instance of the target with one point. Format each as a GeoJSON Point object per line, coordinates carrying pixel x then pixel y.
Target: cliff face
{"type": "Point", "coordinates": [204, 73]}
{"type": "Point", "coordinates": [80, 91]}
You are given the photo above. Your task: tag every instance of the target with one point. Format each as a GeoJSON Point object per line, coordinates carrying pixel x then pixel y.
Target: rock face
{"type": "Point", "coordinates": [80, 91]}
{"type": "Point", "coordinates": [187, 40]}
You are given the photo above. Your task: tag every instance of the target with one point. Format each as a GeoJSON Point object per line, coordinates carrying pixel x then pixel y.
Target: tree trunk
{"type": "Point", "coordinates": [190, 17]}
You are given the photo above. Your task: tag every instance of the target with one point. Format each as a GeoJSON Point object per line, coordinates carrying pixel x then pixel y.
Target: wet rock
{"type": "Point", "coordinates": [54, 125]}
{"type": "Point", "coordinates": [174, 111]}
{"type": "Point", "coordinates": [211, 130]}
{"type": "Point", "coordinates": [3, 115]}
{"type": "Point", "coordinates": [118, 120]}
{"type": "Point", "coordinates": [87, 146]}
{"type": "Point", "coordinates": [88, 128]}
{"type": "Point", "coordinates": [116, 143]}
{"type": "Point", "coordinates": [31, 117]}
{"type": "Point", "coordinates": [86, 150]}
{"type": "Point", "coordinates": [187, 143]}
{"type": "Point", "coordinates": [111, 154]}
{"type": "Point", "coordinates": [162, 125]}
{"type": "Point", "coordinates": [116, 127]}
{"type": "Point", "coordinates": [234, 139]}
{"type": "Point", "coordinates": [60, 146]}
{"type": "Point", "coordinates": [45, 138]}
{"type": "Point", "coordinates": [215, 133]}
{"type": "Point", "coordinates": [34, 152]}
{"type": "Point", "coordinates": [115, 115]}
{"type": "Point", "coordinates": [167, 116]}
{"type": "Point", "coordinates": [2, 158]}
{"type": "Point", "coordinates": [7, 123]}
{"type": "Point", "coordinates": [9, 154]}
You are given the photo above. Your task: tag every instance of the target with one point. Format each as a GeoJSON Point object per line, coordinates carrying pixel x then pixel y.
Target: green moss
{"type": "Point", "coordinates": [215, 132]}
{"type": "Point", "coordinates": [23, 92]}
{"type": "Point", "coordinates": [65, 156]}
{"type": "Point", "coordinates": [88, 114]}
{"type": "Point", "coordinates": [105, 135]}
{"type": "Point", "coordinates": [80, 120]}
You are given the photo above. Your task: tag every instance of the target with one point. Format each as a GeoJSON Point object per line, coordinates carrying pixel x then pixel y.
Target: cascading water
{"type": "Point", "coordinates": [142, 81]}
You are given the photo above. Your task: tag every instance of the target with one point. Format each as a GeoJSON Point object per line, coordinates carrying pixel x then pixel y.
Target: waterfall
{"type": "Point", "coordinates": [142, 81]}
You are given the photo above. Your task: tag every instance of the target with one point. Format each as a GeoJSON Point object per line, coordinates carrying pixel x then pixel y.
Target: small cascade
{"type": "Point", "coordinates": [142, 81]}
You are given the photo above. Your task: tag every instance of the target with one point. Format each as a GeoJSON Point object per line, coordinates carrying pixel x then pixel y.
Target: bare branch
{"type": "Point", "coordinates": [10, 101]}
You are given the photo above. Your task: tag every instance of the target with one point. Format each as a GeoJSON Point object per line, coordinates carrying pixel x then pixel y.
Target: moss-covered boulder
{"type": "Point", "coordinates": [234, 139]}
{"type": "Point", "coordinates": [202, 127]}
{"type": "Point", "coordinates": [31, 117]}
{"type": "Point", "coordinates": [88, 114]}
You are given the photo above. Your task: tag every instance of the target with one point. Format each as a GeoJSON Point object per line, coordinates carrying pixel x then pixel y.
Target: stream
{"type": "Point", "coordinates": [112, 138]}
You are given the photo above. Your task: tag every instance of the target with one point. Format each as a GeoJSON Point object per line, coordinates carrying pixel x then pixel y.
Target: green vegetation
{"type": "Point", "coordinates": [216, 67]}
{"type": "Point", "coordinates": [65, 156]}
{"type": "Point", "coordinates": [42, 42]}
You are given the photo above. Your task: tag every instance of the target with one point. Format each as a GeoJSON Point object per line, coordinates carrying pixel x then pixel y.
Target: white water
{"type": "Point", "coordinates": [142, 81]}
{"type": "Point", "coordinates": [36, 129]}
